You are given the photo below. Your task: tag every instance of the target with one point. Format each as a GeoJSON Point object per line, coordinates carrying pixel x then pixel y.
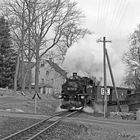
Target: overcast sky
{"type": "Point", "coordinates": [115, 19]}
{"type": "Point", "coordinates": [111, 17]}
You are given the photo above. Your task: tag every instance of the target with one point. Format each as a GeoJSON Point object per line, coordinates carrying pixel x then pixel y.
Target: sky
{"type": "Point", "coordinates": [114, 19]}
{"type": "Point", "coordinates": [111, 17]}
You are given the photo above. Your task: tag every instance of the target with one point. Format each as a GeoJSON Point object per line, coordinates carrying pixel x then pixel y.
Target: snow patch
{"type": "Point", "coordinates": [14, 110]}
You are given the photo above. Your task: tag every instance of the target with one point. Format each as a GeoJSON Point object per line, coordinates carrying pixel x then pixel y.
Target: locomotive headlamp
{"type": "Point", "coordinates": [60, 96]}
{"type": "Point", "coordinates": [82, 97]}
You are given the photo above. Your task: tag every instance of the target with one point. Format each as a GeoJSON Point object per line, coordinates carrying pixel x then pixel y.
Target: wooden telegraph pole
{"type": "Point", "coordinates": [104, 65]}
{"type": "Point", "coordinates": [113, 82]}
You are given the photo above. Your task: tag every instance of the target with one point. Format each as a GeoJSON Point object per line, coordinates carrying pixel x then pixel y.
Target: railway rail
{"type": "Point", "coordinates": [38, 130]}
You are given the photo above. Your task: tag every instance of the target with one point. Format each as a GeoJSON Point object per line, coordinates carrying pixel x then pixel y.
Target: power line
{"type": "Point", "coordinates": [116, 12]}
{"type": "Point", "coordinates": [122, 15]}
{"type": "Point", "coordinates": [104, 10]}
{"type": "Point", "coordinates": [120, 11]}
{"type": "Point", "coordinates": [98, 4]}
{"type": "Point", "coordinates": [99, 11]}
{"type": "Point", "coordinates": [108, 8]}
{"type": "Point", "coordinates": [113, 11]}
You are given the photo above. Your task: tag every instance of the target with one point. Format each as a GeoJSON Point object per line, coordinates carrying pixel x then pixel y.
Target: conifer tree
{"type": "Point", "coordinates": [7, 56]}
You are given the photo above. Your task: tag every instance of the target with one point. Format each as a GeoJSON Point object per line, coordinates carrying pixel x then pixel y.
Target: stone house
{"type": "Point", "coordinates": [51, 77]}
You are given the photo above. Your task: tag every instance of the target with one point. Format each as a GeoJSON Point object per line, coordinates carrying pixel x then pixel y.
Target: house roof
{"type": "Point", "coordinates": [57, 68]}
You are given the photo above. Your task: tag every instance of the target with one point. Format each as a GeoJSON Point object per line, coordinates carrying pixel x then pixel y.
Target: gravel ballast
{"type": "Point", "coordinates": [66, 130]}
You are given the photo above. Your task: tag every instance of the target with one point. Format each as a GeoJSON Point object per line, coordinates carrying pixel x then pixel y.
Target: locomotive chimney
{"type": "Point", "coordinates": [74, 75]}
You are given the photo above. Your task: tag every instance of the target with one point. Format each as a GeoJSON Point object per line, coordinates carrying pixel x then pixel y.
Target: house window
{"type": "Point", "coordinates": [52, 81]}
{"type": "Point", "coordinates": [44, 90]}
{"type": "Point", "coordinates": [42, 80]}
{"type": "Point", "coordinates": [42, 64]}
{"type": "Point", "coordinates": [39, 90]}
{"type": "Point", "coordinates": [47, 72]}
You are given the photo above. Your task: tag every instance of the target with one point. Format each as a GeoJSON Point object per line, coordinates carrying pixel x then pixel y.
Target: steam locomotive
{"type": "Point", "coordinates": [77, 92]}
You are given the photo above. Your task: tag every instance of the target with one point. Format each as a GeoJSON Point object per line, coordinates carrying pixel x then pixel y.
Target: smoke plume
{"type": "Point", "coordinates": [86, 58]}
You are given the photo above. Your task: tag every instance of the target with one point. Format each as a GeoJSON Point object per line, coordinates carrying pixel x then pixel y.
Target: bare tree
{"type": "Point", "coordinates": [71, 34]}
{"type": "Point", "coordinates": [132, 59]}
{"type": "Point", "coordinates": [48, 24]}
{"type": "Point", "coordinates": [17, 26]}
{"type": "Point", "coordinates": [20, 16]}
{"type": "Point", "coordinates": [55, 17]}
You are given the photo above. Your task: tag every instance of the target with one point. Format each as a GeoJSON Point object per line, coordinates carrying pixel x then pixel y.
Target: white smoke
{"type": "Point", "coordinates": [86, 58]}
{"type": "Point", "coordinates": [59, 109]}
{"type": "Point", "coordinates": [88, 109]}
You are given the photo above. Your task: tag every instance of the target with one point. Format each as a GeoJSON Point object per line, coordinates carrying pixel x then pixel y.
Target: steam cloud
{"type": "Point", "coordinates": [86, 58]}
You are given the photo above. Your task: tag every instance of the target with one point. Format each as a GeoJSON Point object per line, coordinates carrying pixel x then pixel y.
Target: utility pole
{"type": "Point", "coordinates": [104, 66]}
{"type": "Point", "coordinates": [113, 82]}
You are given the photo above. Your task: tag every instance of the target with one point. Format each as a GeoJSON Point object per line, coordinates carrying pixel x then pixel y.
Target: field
{"type": "Point", "coordinates": [48, 105]}
{"type": "Point", "coordinates": [18, 103]}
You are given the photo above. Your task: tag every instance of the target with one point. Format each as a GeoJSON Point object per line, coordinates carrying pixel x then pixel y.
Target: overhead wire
{"type": "Point", "coordinates": [112, 13]}
{"type": "Point", "coordinates": [99, 12]}
{"type": "Point", "coordinates": [120, 21]}
{"type": "Point", "coordinates": [120, 12]}
{"type": "Point", "coordinates": [115, 15]}
{"type": "Point", "coordinates": [106, 13]}
{"type": "Point", "coordinates": [103, 10]}
{"type": "Point", "coordinates": [113, 19]}
{"type": "Point", "coordinates": [108, 8]}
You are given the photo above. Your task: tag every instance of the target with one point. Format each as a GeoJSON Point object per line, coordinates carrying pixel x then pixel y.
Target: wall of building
{"type": "Point", "coordinates": [47, 75]}
{"type": "Point", "coordinates": [45, 90]}
{"type": "Point", "coordinates": [134, 101]}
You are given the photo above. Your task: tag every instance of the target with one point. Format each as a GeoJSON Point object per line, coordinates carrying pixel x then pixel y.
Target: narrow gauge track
{"type": "Point", "coordinates": [38, 130]}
